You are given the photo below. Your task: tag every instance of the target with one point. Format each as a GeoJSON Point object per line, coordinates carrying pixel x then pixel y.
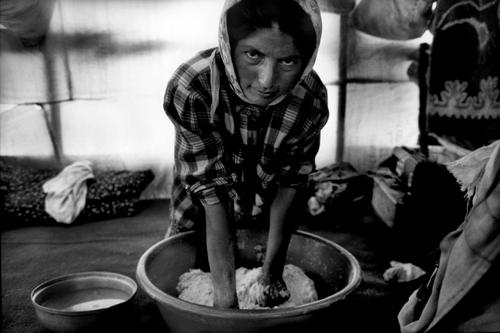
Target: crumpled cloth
{"type": "Point", "coordinates": [402, 272]}
{"type": "Point", "coordinates": [324, 192]}
{"type": "Point", "coordinates": [67, 192]}
{"type": "Point", "coordinates": [334, 182]}
{"type": "Point", "coordinates": [469, 170]}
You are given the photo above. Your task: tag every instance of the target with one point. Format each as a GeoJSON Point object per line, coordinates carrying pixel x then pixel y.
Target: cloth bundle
{"type": "Point", "coordinates": [334, 184]}
{"type": "Point", "coordinates": [67, 192]}
{"type": "Point", "coordinates": [402, 272]}
{"type": "Point", "coordinates": [77, 194]}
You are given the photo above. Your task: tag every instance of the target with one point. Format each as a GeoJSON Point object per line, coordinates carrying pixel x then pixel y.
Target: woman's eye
{"type": "Point", "coordinates": [252, 55]}
{"type": "Point", "coordinates": [288, 62]}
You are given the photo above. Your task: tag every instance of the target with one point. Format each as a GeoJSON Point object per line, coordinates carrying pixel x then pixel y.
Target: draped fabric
{"type": "Point", "coordinates": [27, 19]}
{"type": "Point", "coordinates": [30, 53]}
{"type": "Point", "coordinates": [463, 102]}
{"type": "Point", "coordinates": [463, 295]}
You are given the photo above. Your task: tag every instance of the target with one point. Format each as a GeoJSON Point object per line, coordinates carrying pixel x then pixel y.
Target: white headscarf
{"type": "Point", "coordinates": [309, 6]}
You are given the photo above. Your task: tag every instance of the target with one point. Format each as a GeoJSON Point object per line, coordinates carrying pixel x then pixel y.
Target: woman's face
{"type": "Point", "coordinates": [268, 65]}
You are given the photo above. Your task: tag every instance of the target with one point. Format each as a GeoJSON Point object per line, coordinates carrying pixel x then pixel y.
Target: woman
{"type": "Point", "coordinates": [248, 116]}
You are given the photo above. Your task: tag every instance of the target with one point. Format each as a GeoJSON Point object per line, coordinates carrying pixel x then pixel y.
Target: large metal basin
{"type": "Point", "coordinates": [335, 271]}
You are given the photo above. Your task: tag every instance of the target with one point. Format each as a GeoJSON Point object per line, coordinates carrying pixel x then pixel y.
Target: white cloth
{"type": "Point", "coordinates": [402, 272]}
{"type": "Point", "coordinates": [67, 192]}
{"type": "Point", "coordinates": [469, 170]}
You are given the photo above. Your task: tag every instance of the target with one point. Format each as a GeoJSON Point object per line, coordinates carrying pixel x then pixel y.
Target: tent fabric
{"type": "Point", "coordinates": [27, 19]}
{"type": "Point", "coordinates": [119, 51]}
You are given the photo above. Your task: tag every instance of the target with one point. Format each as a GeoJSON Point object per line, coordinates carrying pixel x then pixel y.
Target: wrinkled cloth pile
{"type": "Point", "coordinates": [336, 184]}
{"type": "Point", "coordinates": [67, 192]}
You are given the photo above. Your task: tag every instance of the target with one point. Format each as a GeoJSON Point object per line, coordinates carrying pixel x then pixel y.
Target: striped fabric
{"type": "Point", "coordinates": [240, 153]}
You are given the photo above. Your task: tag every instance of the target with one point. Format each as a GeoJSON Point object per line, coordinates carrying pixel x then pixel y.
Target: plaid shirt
{"type": "Point", "coordinates": [239, 150]}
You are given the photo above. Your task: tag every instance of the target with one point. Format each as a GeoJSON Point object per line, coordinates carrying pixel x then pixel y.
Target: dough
{"type": "Point", "coordinates": [196, 286]}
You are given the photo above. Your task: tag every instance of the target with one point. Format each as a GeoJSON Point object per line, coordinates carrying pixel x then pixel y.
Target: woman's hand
{"type": "Point", "coordinates": [273, 291]}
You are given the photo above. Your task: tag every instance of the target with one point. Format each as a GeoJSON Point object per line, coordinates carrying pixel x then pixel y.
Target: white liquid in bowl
{"type": "Point", "coordinates": [94, 304]}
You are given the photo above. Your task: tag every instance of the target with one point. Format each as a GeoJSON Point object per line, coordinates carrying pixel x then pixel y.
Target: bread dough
{"type": "Point", "coordinates": [196, 286]}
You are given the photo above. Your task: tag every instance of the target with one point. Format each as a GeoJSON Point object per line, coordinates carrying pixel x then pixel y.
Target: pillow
{"type": "Point", "coordinates": [114, 194]}
{"type": "Point", "coordinates": [110, 194]}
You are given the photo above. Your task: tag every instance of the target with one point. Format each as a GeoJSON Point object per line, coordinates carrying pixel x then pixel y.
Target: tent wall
{"type": "Point", "coordinates": [93, 89]}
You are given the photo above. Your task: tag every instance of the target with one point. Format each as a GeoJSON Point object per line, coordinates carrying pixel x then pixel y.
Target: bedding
{"type": "Point", "coordinates": [110, 194]}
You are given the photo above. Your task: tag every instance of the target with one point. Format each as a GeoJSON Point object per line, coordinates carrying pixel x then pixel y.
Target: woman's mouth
{"type": "Point", "coordinates": [266, 93]}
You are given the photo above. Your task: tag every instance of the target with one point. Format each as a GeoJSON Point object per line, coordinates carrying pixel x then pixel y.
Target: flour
{"type": "Point", "coordinates": [196, 286]}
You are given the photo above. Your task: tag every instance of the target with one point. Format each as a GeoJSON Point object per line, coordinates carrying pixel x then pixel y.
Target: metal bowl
{"type": "Point", "coordinates": [335, 272]}
{"type": "Point", "coordinates": [86, 301]}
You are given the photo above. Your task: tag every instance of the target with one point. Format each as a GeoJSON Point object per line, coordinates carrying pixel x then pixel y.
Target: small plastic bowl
{"type": "Point", "coordinates": [83, 301]}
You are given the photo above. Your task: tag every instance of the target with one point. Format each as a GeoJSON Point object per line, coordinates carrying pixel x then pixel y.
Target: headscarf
{"type": "Point", "coordinates": [309, 6]}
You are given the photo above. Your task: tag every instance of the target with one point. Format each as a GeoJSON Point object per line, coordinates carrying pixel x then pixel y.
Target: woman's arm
{"type": "Point", "coordinates": [221, 255]}
{"type": "Point", "coordinates": [281, 226]}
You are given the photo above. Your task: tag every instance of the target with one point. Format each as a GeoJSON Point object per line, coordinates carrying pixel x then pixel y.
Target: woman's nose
{"type": "Point", "coordinates": [267, 74]}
